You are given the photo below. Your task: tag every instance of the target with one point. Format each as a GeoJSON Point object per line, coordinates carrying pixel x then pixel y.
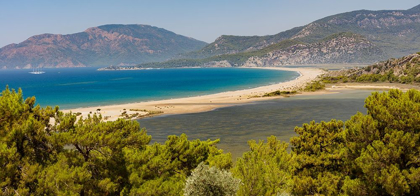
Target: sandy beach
{"type": "Point", "coordinates": [230, 98]}
{"type": "Point", "coordinates": [201, 103]}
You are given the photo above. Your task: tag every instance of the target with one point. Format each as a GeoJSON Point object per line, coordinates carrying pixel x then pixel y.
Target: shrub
{"type": "Point", "coordinates": [205, 180]}
{"type": "Point", "coordinates": [314, 86]}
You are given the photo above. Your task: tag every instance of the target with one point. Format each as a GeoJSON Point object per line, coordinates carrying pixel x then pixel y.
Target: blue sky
{"type": "Point", "coordinates": [203, 20]}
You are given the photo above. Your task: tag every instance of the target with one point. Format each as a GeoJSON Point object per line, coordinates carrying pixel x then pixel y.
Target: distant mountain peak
{"type": "Point", "coordinates": [112, 44]}
{"type": "Point", "coordinates": [416, 8]}
{"type": "Point", "coordinates": [385, 33]}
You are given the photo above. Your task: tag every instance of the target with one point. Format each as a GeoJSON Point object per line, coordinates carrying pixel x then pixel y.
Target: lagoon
{"type": "Point", "coordinates": [258, 120]}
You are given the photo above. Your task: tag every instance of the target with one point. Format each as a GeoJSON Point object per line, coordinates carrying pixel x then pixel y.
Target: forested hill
{"type": "Point", "coordinates": [231, 44]}
{"type": "Point", "coordinates": [396, 32]}
{"type": "Point", "coordinates": [354, 37]}
{"type": "Point", "coordinates": [337, 48]}
{"type": "Point", "coordinates": [102, 45]}
{"type": "Point", "coordinates": [403, 70]}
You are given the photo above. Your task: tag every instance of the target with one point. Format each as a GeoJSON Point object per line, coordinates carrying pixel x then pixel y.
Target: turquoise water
{"type": "Point", "coordinates": [82, 87]}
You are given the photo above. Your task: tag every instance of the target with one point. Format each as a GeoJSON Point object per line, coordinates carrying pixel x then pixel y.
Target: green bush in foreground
{"type": "Point", "coordinates": [208, 181]}
{"type": "Point", "coordinates": [266, 169]}
{"type": "Point", "coordinates": [373, 154]}
{"type": "Point", "coordinates": [90, 157]}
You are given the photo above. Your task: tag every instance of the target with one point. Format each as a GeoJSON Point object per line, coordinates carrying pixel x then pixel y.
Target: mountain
{"type": "Point", "coordinates": [402, 70]}
{"type": "Point", "coordinates": [230, 44]}
{"type": "Point", "coordinates": [337, 48]}
{"type": "Point", "coordinates": [102, 45]}
{"type": "Point", "coordinates": [396, 32]}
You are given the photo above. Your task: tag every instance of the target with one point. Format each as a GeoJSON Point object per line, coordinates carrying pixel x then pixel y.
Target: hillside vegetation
{"type": "Point", "coordinates": [370, 154]}
{"type": "Point", "coordinates": [354, 37]}
{"type": "Point", "coordinates": [403, 70]}
{"type": "Point", "coordinates": [396, 32]}
{"type": "Point", "coordinates": [338, 48]}
{"type": "Point", "coordinates": [231, 44]}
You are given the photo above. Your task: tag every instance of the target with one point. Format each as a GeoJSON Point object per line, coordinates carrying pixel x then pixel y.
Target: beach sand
{"type": "Point", "coordinates": [202, 103]}
{"type": "Point", "coordinates": [230, 98]}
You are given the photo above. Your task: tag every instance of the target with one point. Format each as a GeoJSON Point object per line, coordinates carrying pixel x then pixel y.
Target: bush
{"type": "Point", "coordinates": [76, 156]}
{"type": "Point", "coordinates": [370, 154]}
{"type": "Point", "coordinates": [314, 86]}
{"type": "Point", "coordinates": [205, 180]}
{"type": "Point", "coordinates": [265, 169]}
{"type": "Point", "coordinates": [278, 93]}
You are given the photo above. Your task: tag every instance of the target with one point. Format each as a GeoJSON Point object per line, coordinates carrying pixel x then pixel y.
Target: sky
{"type": "Point", "coordinates": [204, 20]}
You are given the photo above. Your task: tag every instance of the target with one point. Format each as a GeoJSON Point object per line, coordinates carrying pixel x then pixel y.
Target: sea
{"type": "Point", "coordinates": [82, 87]}
{"type": "Point", "coordinates": [234, 126]}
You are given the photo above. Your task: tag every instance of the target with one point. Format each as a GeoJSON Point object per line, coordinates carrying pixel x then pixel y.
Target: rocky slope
{"type": "Point", "coordinates": [230, 44]}
{"type": "Point", "coordinates": [103, 45]}
{"type": "Point", "coordinates": [396, 32]}
{"type": "Point", "coordinates": [338, 48]}
{"type": "Point", "coordinates": [403, 70]}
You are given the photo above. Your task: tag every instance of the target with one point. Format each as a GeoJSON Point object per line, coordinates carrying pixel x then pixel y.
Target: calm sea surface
{"type": "Point", "coordinates": [82, 87]}
{"type": "Point", "coordinates": [256, 121]}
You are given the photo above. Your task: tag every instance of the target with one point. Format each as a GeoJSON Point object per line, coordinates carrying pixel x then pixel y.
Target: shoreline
{"type": "Point", "coordinates": [202, 103]}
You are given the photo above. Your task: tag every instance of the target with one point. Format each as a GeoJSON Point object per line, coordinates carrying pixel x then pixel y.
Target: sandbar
{"type": "Point", "coordinates": [202, 103]}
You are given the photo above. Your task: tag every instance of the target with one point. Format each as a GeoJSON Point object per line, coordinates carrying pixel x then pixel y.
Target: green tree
{"type": "Point", "coordinates": [162, 169]}
{"type": "Point", "coordinates": [319, 155]}
{"type": "Point", "coordinates": [47, 152]}
{"type": "Point", "coordinates": [383, 146]}
{"type": "Point", "coordinates": [26, 142]}
{"type": "Point", "coordinates": [373, 154]}
{"type": "Point", "coordinates": [208, 181]}
{"type": "Point", "coordinates": [265, 170]}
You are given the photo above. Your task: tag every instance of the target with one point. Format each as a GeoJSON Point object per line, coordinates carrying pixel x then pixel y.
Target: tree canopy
{"type": "Point", "coordinates": [46, 152]}
{"type": "Point", "coordinates": [377, 153]}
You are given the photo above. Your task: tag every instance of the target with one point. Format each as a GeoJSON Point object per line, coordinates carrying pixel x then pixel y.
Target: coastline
{"type": "Point", "coordinates": [201, 103]}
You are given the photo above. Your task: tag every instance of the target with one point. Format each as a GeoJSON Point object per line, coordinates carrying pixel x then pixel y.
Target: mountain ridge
{"type": "Point", "coordinates": [342, 47]}
{"type": "Point", "coordinates": [103, 45]}
{"type": "Point", "coordinates": [404, 70]}
{"type": "Point", "coordinates": [396, 32]}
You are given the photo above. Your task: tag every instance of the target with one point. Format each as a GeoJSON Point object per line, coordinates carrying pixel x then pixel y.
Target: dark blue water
{"type": "Point", "coordinates": [82, 87]}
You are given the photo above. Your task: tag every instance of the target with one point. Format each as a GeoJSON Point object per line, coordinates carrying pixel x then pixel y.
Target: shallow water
{"type": "Point", "coordinates": [82, 87]}
{"type": "Point", "coordinates": [256, 121]}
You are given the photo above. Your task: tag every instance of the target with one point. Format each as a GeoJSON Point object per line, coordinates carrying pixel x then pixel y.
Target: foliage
{"type": "Point", "coordinates": [238, 58]}
{"type": "Point", "coordinates": [404, 70]}
{"type": "Point", "coordinates": [205, 180]}
{"type": "Point", "coordinates": [314, 86]}
{"type": "Point", "coordinates": [265, 170]}
{"type": "Point", "coordinates": [319, 158]}
{"type": "Point", "coordinates": [47, 152]}
{"type": "Point", "coordinates": [373, 154]}
{"type": "Point", "coordinates": [279, 93]}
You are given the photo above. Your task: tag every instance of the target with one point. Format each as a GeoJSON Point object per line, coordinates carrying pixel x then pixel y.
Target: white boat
{"type": "Point", "coordinates": [36, 71]}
